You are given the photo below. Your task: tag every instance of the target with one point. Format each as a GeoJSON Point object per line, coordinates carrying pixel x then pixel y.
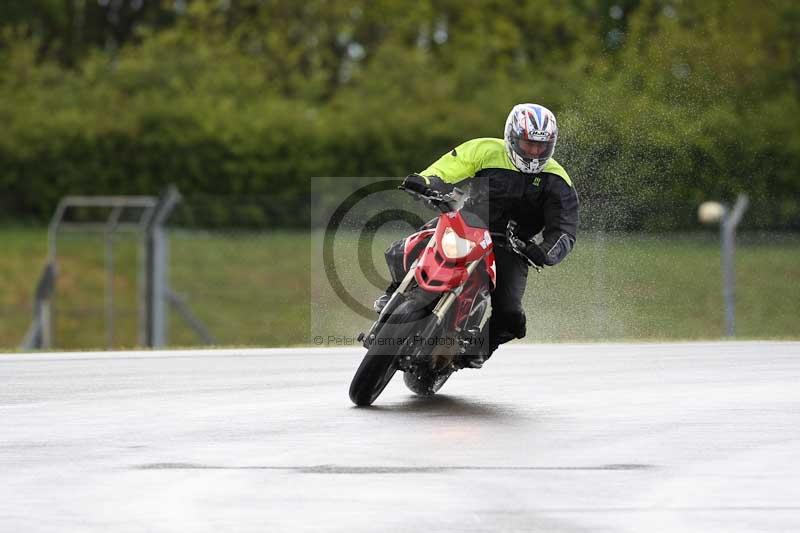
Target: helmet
{"type": "Point", "coordinates": [530, 137]}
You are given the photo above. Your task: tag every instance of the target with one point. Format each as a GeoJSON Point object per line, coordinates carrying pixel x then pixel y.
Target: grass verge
{"type": "Point", "coordinates": [269, 289]}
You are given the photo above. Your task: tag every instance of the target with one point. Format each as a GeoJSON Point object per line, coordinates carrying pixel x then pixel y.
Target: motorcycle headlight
{"type": "Point", "coordinates": [453, 246]}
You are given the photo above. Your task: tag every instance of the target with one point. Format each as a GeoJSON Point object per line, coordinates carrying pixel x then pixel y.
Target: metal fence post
{"type": "Point", "coordinates": [156, 270]}
{"type": "Point", "coordinates": [38, 334]}
{"type": "Point", "coordinates": [730, 220]}
{"type": "Point", "coordinates": [111, 226]}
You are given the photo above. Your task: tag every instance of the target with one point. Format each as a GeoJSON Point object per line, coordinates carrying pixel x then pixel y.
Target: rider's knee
{"type": "Point", "coordinates": [511, 320]}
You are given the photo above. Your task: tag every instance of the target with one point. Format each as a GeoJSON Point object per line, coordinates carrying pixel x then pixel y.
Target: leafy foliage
{"type": "Point", "coordinates": [662, 104]}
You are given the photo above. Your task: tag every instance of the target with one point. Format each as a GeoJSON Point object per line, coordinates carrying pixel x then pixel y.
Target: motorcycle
{"type": "Point", "coordinates": [435, 315]}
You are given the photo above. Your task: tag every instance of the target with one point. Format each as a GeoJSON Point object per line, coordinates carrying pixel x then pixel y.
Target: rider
{"type": "Point", "coordinates": [514, 178]}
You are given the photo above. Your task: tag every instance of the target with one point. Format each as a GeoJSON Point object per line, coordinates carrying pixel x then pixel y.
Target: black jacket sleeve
{"type": "Point", "coordinates": [560, 210]}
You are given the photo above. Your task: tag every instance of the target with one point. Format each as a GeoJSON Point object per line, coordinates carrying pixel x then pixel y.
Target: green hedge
{"type": "Point", "coordinates": [649, 129]}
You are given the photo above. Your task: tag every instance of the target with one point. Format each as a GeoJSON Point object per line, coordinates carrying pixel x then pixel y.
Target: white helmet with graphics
{"type": "Point", "coordinates": [530, 137]}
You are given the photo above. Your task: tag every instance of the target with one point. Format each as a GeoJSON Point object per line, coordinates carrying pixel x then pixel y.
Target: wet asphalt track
{"type": "Point", "coordinates": [640, 438]}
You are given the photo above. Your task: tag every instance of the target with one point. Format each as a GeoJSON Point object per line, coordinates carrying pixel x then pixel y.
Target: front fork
{"type": "Point", "coordinates": [367, 338]}
{"type": "Point", "coordinates": [444, 304]}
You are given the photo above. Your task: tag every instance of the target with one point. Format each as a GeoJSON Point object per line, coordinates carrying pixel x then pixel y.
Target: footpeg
{"type": "Point", "coordinates": [468, 338]}
{"type": "Point", "coordinates": [470, 353]}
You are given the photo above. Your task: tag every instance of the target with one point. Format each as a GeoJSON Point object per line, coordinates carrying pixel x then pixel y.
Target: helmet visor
{"type": "Point", "coordinates": [534, 149]}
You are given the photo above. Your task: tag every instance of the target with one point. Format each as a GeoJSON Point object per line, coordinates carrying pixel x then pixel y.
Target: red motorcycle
{"type": "Point", "coordinates": [436, 313]}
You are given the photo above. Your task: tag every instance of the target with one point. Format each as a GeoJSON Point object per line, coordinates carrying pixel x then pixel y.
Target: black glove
{"type": "Point", "coordinates": [535, 254]}
{"type": "Point", "coordinates": [417, 183]}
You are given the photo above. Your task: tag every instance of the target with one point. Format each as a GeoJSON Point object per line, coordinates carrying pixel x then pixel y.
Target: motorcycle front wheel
{"type": "Point", "coordinates": [394, 339]}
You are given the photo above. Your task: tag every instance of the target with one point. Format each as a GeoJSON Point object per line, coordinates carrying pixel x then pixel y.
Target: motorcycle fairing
{"type": "Point", "coordinates": [437, 273]}
{"type": "Point", "coordinates": [414, 244]}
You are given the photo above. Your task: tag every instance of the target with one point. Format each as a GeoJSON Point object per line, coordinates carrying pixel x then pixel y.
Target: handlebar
{"type": "Point", "coordinates": [448, 202]}
{"type": "Point", "coordinates": [444, 202]}
{"type": "Point", "coordinates": [514, 243]}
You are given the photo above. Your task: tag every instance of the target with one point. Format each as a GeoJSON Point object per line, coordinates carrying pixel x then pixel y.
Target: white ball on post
{"type": "Point", "coordinates": [711, 212]}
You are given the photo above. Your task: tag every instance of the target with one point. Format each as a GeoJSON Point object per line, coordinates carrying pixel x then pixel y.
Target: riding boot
{"type": "Point", "coordinates": [478, 349]}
